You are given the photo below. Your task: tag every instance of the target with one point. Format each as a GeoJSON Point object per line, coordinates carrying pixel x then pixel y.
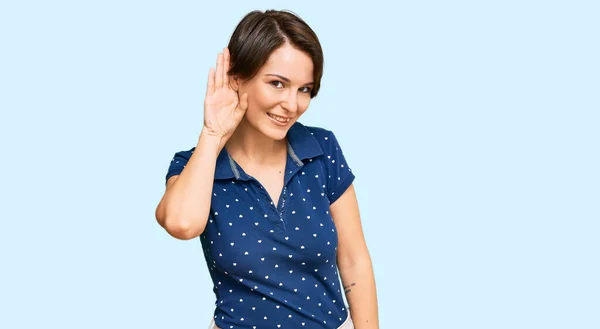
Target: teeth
{"type": "Point", "coordinates": [278, 118]}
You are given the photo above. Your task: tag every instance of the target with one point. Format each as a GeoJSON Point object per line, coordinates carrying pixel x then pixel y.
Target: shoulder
{"type": "Point", "coordinates": [178, 162]}
{"type": "Point", "coordinates": [328, 142]}
{"type": "Point", "coordinates": [338, 175]}
{"type": "Point", "coordinates": [183, 155]}
{"type": "Point", "coordinates": [318, 131]}
{"type": "Point", "coordinates": [325, 137]}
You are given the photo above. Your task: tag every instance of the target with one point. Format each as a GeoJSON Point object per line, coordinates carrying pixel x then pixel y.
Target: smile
{"type": "Point", "coordinates": [278, 118]}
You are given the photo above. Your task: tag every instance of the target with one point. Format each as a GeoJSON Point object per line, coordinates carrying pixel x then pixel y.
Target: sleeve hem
{"type": "Point", "coordinates": [172, 173]}
{"type": "Point", "coordinates": [341, 188]}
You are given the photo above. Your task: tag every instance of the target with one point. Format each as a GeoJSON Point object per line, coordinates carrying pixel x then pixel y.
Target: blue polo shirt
{"type": "Point", "coordinates": [275, 266]}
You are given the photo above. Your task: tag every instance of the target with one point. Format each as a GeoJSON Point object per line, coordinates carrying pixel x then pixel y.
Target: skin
{"type": "Point", "coordinates": [282, 87]}
{"type": "Point", "coordinates": [260, 148]}
{"type": "Point", "coordinates": [354, 261]}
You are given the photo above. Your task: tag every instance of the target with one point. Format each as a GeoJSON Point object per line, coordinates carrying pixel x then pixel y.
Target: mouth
{"type": "Point", "coordinates": [279, 119]}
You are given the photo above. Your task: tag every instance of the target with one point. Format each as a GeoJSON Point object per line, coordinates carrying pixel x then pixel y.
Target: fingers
{"type": "Point", "coordinates": [219, 73]}
{"type": "Point", "coordinates": [225, 67]}
{"type": "Point", "coordinates": [217, 78]}
{"type": "Point", "coordinates": [210, 88]}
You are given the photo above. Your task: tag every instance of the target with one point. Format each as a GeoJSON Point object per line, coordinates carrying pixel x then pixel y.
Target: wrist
{"type": "Point", "coordinates": [210, 141]}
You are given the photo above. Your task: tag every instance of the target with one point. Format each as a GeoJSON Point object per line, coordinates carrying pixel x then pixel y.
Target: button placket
{"type": "Point", "coordinates": [281, 204]}
{"type": "Point", "coordinates": [274, 211]}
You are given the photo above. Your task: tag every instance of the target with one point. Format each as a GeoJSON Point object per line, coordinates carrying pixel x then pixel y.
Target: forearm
{"type": "Point", "coordinates": [185, 207]}
{"type": "Point", "coordinates": [359, 285]}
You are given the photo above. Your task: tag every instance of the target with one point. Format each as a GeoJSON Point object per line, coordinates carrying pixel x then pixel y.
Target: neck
{"type": "Point", "coordinates": [252, 147]}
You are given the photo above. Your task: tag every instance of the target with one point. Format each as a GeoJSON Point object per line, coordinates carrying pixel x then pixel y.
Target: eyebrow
{"type": "Point", "coordinates": [287, 80]}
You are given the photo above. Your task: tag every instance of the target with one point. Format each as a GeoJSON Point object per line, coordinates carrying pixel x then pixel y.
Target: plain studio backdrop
{"type": "Point", "coordinates": [472, 128]}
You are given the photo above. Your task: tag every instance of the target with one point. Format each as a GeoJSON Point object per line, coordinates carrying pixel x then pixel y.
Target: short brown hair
{"type": "Point", "coordinates": [258, 34]}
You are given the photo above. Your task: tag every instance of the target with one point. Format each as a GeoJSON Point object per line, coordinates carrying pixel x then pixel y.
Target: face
{"type": "Point", "coordinates": [279, 93]}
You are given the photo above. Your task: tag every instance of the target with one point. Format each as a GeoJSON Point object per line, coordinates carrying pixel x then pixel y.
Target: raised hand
{"type": "Point", "coordinates": [223, 108]}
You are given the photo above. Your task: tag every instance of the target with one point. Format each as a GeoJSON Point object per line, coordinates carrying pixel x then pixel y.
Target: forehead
{"type": "Point", "coordinates": [291, 63]}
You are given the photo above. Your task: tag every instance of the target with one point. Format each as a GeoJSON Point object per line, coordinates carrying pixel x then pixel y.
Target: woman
{"type": "Point", "coordinates": [272, 200]}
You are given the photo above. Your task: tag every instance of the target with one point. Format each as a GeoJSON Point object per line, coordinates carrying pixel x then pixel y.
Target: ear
{"type": "Point", "coordinates": [234, 83]}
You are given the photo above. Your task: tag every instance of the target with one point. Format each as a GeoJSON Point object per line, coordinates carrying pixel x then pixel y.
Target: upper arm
{"type": "Point", "coordinates": [339, 175]}
{"type": "Point", "coordinates": [160, 211]}
{"type": "Point", "coordinates": [342, 200]}
{"type": "Point", "coordinates": [346, 217]}
{"type": "Point", "coordinates": [170, 181]}
{"type": "Point", "coordinates": [176, 166]}
{"type": "Point", "coordinates": [180, 159]}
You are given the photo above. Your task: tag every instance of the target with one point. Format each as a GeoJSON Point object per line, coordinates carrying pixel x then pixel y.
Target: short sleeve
{"type": "Point", "coordinates": [178, 162]}
{"type": "Point", "coordinates": [340, 176]}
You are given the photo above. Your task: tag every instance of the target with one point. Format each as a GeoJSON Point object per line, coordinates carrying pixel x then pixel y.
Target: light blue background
{"type": "Point", "coordinates": [472, 127]}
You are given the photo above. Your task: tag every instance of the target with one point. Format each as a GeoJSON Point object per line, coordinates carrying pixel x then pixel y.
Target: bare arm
{"type": "Point", "coordinates": [354, 262]}
{"type": "Point", "coordinates": [184, 208]}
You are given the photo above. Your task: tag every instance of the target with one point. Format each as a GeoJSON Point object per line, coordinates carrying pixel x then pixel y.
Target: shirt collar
{"type": "Point", "coordinates": [302, 145]}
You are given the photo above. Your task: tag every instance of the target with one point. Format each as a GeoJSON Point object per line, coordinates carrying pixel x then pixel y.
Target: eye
{"type": "Point", "coordinates": [276, 83]}
{"type": "Point", "coordinates": [305, 90]}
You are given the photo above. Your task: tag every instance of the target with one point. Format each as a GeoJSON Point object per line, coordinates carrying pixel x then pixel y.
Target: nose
{"type": "Point", "coordinates": [290, 103]}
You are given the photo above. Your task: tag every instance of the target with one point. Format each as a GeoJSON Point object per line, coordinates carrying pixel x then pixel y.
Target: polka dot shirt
{"type": "Point", "coordinates": [275, 266]}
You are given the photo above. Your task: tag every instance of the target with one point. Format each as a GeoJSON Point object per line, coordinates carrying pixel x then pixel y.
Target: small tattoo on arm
{"type": "Point", "coordinates": [347, 288]}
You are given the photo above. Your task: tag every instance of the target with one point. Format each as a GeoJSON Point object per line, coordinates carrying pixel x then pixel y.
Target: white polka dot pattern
{"type": "Point", "coordinates": [275, 266]}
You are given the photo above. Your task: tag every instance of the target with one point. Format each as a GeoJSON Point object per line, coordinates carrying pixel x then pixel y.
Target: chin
{"type": "Point", "coordinates": [275, 133]}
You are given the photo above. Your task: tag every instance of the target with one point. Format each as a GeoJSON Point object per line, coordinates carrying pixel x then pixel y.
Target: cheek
{"type": "Point", "coordinates": [259, 101]}
{"type": "Point", "coordinates": [303, 103]}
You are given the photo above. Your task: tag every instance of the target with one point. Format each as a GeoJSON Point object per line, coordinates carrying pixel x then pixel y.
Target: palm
{"type": "Point", "coordinates": [223, 109]}
{"type": "Point", "coordinates": [220, 111]}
